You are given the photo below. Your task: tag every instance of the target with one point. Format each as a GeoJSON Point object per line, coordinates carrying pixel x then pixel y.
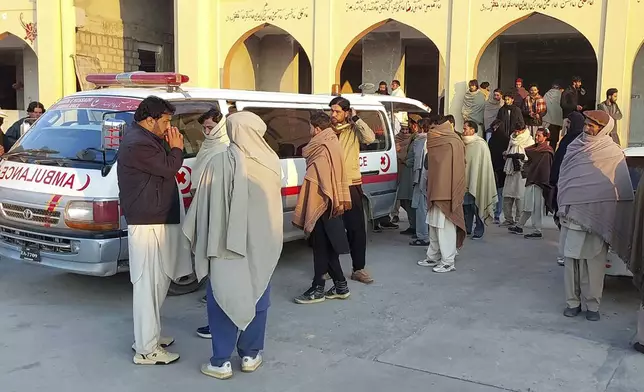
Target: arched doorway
{"type": "Point", "coordinates": [18, 73]}
{"type": "Point", "coordinates": [541, 50]}
{"type": "Point", "coordinates": [636, 128]}
{"type": "Point", "coordinates": [268, 59]}
{"type": "Point", "coordinates": [394, 51]}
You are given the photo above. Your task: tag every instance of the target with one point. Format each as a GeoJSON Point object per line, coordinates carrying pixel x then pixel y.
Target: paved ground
{"type": "Point", "coordinates": [493, 325]}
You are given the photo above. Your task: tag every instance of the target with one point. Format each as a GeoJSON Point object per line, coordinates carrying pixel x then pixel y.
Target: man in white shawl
{"type": "Point", "coordinates": [474, 105]}
{"type": "Point", "coordinates": [235, 227]}
{"type": "Point", "coordinates": [595, 199]}
{"type": "Point", "coordinates": [514, 186]}
{"type": "Point", "coordinates": [492, 106]}
{"type": "Point", "coordinates": [480, 196]}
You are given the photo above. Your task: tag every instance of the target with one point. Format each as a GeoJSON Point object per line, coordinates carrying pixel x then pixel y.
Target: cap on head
{"type": "Point", "coordinates": [599, 117]}
{"type": "Point", "coordinates": [414, 118]}
{"type": "Point", "coordinates": [519, 80]}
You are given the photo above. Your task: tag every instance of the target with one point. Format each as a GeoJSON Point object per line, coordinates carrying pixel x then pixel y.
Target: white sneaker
{"type": "Point", "coordinates": [158, 357]}
{"type": "Point", "coordinates": [250, 364]}
{"type": "Point", "coordinates": [443, 268]}
{"type": "Point", "coordinates": [560, 261]}
{"type": "Point", "coordinates": [427, 263]}
{"type": "Point", "coordinates": [163, 342]}
{"type": "Point", "coordinates": [222, 372]}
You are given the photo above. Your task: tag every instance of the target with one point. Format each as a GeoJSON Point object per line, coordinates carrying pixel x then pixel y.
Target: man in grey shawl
{"type": "Point", "coordinates": [474, 105]}
{"type": "Point", "coordinates": [419, 179]}
{"type": "Point", "coordinates": [492, 106]}
{"type": "Point", "coordinates": [595, 196]}
{"type": "Point", "coordinates": [553, 119]}
{"type": "Point", "coordinates": [235, 227]}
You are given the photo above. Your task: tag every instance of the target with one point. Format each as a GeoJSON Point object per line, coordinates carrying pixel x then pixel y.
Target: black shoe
{"type": "Point", "coordinates": [313, 295]}
{"type": "Point", "coordinates": [515, 230]}
{"type": "Point", "coordinates": [572, 312]}
{"type": "Point", "coordinates": [533, 236]}
{"type": "Point", "coordinates": [409, 231]}
{"type": "Point", "coordinates": [389, 226]}
{"type": "Point", "coordinates": [639, 347]}
{"type": "Point", "coordinates": [204, 332]}
{"type": "Point", "coordinates": [377, 228]}
{"type": "Point", "coordinates": [592, 316]}
{"type": "Point", "coordinates": [395, 219]}
{"type": "Point", "coordinates": [339, 291]}
{"type": "Point", "coordinates": [477, 236]}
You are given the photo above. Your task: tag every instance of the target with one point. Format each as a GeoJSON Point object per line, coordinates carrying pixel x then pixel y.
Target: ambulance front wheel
{"type": "Point", "coordinates": [185, 285]}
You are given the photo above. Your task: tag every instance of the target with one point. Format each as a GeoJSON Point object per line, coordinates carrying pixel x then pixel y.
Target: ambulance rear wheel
{"type": "Point", "coordinates": [185, 285]}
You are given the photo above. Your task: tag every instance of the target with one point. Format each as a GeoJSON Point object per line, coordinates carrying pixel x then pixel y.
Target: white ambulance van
{"type": "Point", "coordinates": [59, 202]}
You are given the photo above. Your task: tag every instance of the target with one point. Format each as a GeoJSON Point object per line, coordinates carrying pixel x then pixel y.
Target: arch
{"type": "Point", "coordinates": [20, 78]}
{"type": "Point", "coordinates": [516, 21]}
{"type": "Point", "coordinates": [303, 56]}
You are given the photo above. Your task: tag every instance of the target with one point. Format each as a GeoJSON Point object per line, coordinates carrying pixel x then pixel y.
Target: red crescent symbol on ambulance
{"type": "Point", "coordinates": [385, 163]}
{"type": "Point", "coordinates": [86, 184]}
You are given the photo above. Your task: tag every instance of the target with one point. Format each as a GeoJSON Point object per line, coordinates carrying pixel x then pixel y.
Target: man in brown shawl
{"type": "Point", "coordinates": [445, 193]}
{"type": "Point", "coordinates": [323, 198]}
{"type": "Point", "coordinates": [595, 197]}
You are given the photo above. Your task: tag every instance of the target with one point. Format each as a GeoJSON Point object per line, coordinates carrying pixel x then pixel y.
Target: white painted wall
{"type": "Point", "coordinates": [636, 129]}
{"type": "Point", "coordinates": [488, 70]}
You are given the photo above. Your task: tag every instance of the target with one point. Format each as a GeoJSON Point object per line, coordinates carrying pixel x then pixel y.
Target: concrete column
{"type": "Point", "coordinates": [324, 67]}
{"type": "Point", "coordinates": [381, 57]}
{"type": "Point", "coordinates": [460, 67]}
{"type": "Point", "coordinates": [613, 57]}
{"type": "Point", "coordinates": [278, 66]}
{"type": "Point", "coordinates": [49, 49]}
{"type": "Point", "coordinates": [196, 44]}
{"type": "Point", "coordinates": [68, 45]}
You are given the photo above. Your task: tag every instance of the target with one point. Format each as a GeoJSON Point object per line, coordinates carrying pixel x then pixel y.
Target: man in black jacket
{"type": "Point", "coordinates": [572, 98]}
{"type": "Point", "coordinates": [509, 115]}
{"type": "Point", "coordinates": [34, 111]}
{"type": "Point", "coordinates": [150, 200]}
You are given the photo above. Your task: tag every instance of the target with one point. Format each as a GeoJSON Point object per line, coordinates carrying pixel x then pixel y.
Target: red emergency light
{"type": "Point", "coordinates": [145, 79]}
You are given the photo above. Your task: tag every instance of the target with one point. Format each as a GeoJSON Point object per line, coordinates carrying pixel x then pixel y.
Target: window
{"type": "Point", "coordinates": [377, 124]}
{"type": "Point", "coordinates": [287, 130]}
{"type": "Point", "coordinates": [185, 119]}
{"type": "Point", "coordinates": [148, 61]}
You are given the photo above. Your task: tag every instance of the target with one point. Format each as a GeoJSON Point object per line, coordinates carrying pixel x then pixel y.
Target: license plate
{"type": "Point", "coordinates": [30, 253]}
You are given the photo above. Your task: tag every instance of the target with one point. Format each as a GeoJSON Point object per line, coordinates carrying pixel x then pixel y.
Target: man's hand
{"type": "Point", "coordinates": [579, 108]}
{"type": "Point", "coordinates": [174, 138]}
{"type": "Point", "coordinates": [353, 113]}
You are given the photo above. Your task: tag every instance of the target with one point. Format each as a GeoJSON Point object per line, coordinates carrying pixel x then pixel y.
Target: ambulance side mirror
{"type": "Point", "coordinates": [111, 134]}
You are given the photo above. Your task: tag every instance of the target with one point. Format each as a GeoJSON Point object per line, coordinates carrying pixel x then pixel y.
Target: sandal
{"type": "Point", "coordinates": [419, 243]}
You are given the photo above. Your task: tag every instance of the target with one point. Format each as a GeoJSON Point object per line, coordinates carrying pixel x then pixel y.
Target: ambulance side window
{"type": "Point", "coordinates": [287, 130]}
{"type": "Point", "coordinates": [377, 123]}
{"type": "Point", "coordinates": [185, 119]}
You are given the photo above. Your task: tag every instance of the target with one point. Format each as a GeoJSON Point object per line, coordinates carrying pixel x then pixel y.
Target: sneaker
{"type": "Point", "coordinates": [572, 312]}
{"type": "Point", "coordinates": [222, 372]}
{"type": "Point", "coordinates": [443, 268]}
{"type": "Point", "coordinates": [362, 276]}
{"type": "Point", "coordinates": [515, 230]}
{"type": "Point", "coordinates": [158, 357]}
{"type": "Point", "coordinates": [409, 231]}
{"type": "Point", "coordinates": [533, 236]}
{"type": "Point", "coordinates": [395, 219]}
{"type": "Point", "coordinates": [313, 295]}
{"type": "Point", "coordinates": [592, 316]}
{"type": "Point", "coordinates": [497, 221]}
{"type": "Point", "coordinates": [427, 263]}
{"type": "Point", "coordinates": [204, 299]}
{"type": "Point", "coordinates": [163, 342]}
{"type": "Point", "coordinates": [204, 332]}
{"type": "Point", "coordinates": [639, 347]}
{"type": "Point", "coordinates": [507, 223]}
{"type": "Point", "coordinates": [417, 242]}
{"type": "Point", "coordinates": [389, 226]}
{"type": "Point", "coordinates": [377, 228]}
{"type": "Point", "coordinates": [250, 364]}
{"type": "Point", "coordinates": [561, 261]}
{"type": "Point", "coordinates": [339, 291]}
{"type": "Point", "coordinates": [477, 236]}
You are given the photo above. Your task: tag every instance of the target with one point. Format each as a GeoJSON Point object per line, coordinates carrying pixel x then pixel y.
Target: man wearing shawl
{"type": "Point", "coordinates": [636, 262]}
{"type": "Point", "coordinates": [480, 196]}
{"type": "Point", "coordinates": [537, 193]}
{"type": "Point", "coordinates": [485, 89]}
{"type": "Point", "coordinates": [595, 198]}
{"type": "Point", "coordinates": [323, 198]}
{"type": "Point", "coordinates": [492, 107]}
{"type": "Point", "coordinates": [150, 201]}
{"type": "Point", "coordinates": [445, 192]}
{"type": "Point", "coordinates": [610, 106]}
{"type": "Point", "coordinates": [534, 107]}
{"type": "Point", "coordinates": [406, 175]}
{"type": "Point", "coordinates": [509, 115]}
{"type": "Point", "coordinates": [518, 93]}
{"type": "Point", "coordinates": [352, 131]}
{"type": "Point", "coordinates": [474, 105]}
{"type": "Point", "coordinates": [498, 143]}
{"type": "Point", "coordinates": [514, 186]}
{"type": "Point", "coordinates": [419, 179]}
{"type": "Point", "coordinates": [235, 227]}
{"type": "Point", "coordinates": [553, 119]}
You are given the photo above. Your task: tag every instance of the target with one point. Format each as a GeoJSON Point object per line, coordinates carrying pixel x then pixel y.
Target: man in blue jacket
{"type": "Point", "coordinates": [34, 111]}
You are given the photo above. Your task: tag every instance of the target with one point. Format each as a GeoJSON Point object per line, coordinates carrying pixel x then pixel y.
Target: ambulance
{"type": "Point", "coordinates": [59, 202]}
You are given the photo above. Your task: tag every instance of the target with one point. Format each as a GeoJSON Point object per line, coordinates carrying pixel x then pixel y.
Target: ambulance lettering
{"type": "Point", "coordinates": [44, 176]}
{"type": "Point", "coordinates": [363, 161]}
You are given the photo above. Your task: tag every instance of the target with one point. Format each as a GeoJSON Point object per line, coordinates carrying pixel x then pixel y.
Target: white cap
{"type": "Point", "coordinates": [3, 114]}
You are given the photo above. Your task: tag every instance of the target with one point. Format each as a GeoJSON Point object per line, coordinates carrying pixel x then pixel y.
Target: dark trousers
{"type": "Point", "coordinates": [356, 230]}
{"type": "Point", "coordinates": [411, 213]}
{"type": "Point", "coordinates": [224, 331]}
{"type": "Point", "coordinates": [555, 131]}
{"type": "Point", "coordinates": [325, 257]}
{"type": "Point", "coordinates": [471, 212]}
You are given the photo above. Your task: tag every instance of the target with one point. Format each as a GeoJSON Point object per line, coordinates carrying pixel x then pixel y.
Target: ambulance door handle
{"type": "Point", "coordinates": [371, 173]}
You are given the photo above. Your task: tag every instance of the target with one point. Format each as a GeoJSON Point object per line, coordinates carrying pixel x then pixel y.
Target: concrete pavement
{"type": "Point", "coordinates": [493, 325]}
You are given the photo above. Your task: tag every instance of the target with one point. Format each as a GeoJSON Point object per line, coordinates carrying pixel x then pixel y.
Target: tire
{"type": "Point", "coordinates": [186, 285]}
